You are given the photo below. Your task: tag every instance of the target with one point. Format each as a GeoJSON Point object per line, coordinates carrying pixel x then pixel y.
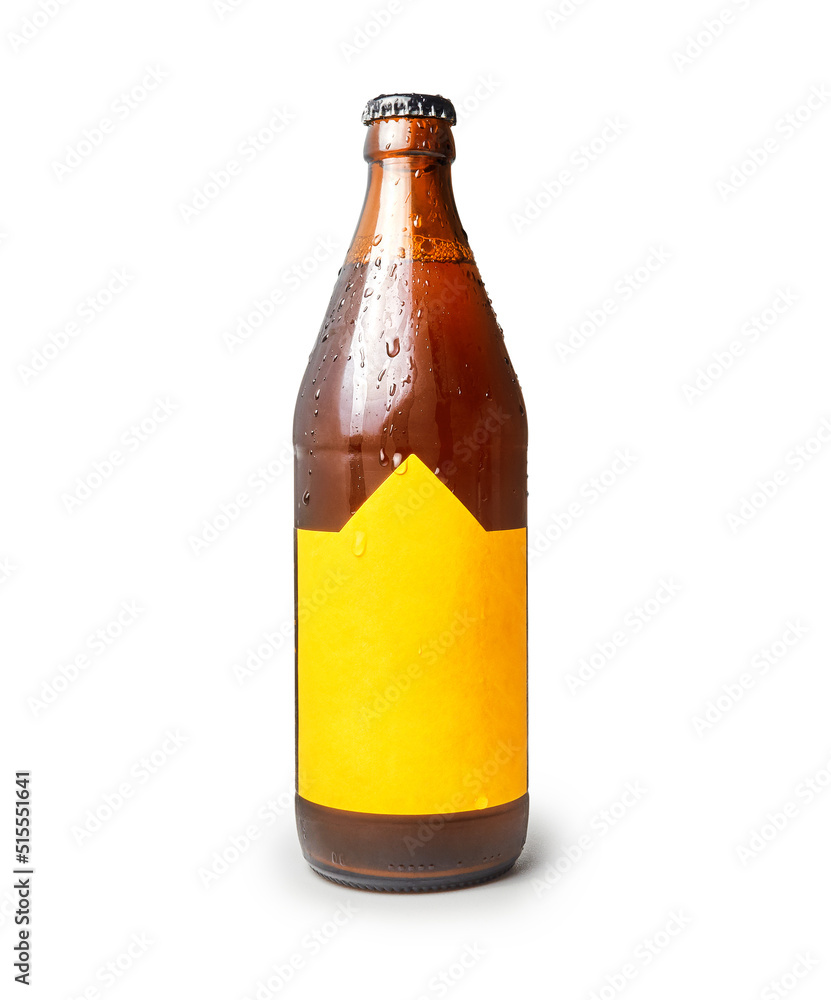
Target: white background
{"type": "Point", "coordinates": [532, 89]}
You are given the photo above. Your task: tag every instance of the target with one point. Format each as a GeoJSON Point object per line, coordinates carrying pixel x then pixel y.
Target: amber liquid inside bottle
{"type": "Point", "coordinates": [409, 361]}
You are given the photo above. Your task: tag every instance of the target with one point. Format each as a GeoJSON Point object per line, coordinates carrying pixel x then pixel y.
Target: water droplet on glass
{"type": "Point", "coordinates": [393, 348]}
{"type": "Point", "coordinates": [382, 458]}
{"type": "Point", "coordinates": [306, 497]}
{"type": "Point", "coordinates": [399, 463]}
{"type": "Point", "coordinates": [317, 394]}
{"type": "Point", "coordinates": [359, 543]}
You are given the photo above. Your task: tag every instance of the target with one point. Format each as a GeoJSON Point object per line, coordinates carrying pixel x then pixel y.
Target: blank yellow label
{"type": "Point", "coordinates": [412, 655]}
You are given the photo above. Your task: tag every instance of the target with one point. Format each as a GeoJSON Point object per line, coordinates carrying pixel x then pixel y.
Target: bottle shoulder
{"type": "Point", "coordinates": [402, 340]}
{"type": "Point", "coordinates": [410, 361]}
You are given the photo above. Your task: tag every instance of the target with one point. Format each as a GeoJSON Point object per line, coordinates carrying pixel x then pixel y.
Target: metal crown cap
{"type": "Point", "coordinates": [409, 106]}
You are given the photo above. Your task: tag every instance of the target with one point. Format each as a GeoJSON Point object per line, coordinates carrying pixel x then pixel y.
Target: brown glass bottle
{"type": "Point", "coordinates": [410, 370]}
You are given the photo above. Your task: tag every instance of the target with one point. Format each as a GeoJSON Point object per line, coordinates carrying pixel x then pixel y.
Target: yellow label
{"type": "Point", "coordinates": [412, 655]}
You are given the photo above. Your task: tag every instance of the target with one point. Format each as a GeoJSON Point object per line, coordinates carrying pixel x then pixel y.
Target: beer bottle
{"type": "Point", "coordinates": [410, 442]}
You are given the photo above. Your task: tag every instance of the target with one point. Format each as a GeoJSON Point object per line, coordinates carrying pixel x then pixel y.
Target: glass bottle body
{"type": "Point", "coordinates": [410, 361]}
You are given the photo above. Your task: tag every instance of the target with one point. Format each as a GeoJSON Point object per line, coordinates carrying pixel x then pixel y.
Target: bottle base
{"type": "Point", "coordinates": [380, 883]}
{"type": "Point", "coordinates": [418, 853]}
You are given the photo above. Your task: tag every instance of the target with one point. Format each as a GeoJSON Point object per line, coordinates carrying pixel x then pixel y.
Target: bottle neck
{"type": "Point", "coordinates": [409, 211]}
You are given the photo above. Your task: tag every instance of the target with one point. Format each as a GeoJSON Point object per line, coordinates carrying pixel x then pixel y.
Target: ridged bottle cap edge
{"type": "Point", "coordinates": [409, 106]}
